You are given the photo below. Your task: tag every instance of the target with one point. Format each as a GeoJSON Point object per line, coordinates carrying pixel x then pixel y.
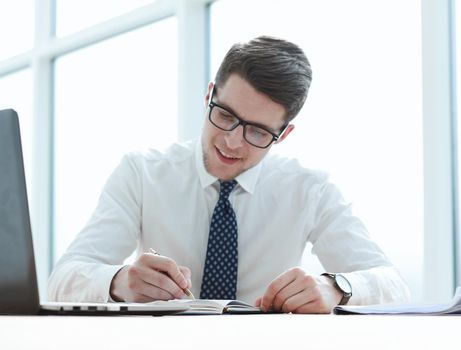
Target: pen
{"type": "Point", "coordinates": [185, 290]}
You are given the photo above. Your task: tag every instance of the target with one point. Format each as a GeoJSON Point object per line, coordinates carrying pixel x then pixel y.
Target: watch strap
{"type": "Point", "coordinates": [346, 295]}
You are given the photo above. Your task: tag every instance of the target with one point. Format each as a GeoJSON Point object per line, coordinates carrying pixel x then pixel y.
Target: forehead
{"type": "Point", "coordinates": [249, 104]}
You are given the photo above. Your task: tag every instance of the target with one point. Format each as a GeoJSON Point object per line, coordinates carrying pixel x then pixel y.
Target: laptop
{"type": "Point", "coordinates": [19, 293]}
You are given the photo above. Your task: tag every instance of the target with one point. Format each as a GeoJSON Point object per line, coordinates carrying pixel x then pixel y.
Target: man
{"type": "Point", "coordinates": [227, 219]}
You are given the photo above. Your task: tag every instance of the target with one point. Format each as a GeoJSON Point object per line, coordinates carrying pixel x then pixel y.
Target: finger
{"type": "Point", "coordinates": [315, 306]}
{"type": "Point", "coordinates": [274, 287]}
{"type": "Point", "coordinates": [297, 301]}
{"type": "Point", "coordinates": [166, 265]}
{"type": "Point", "coordinates": [152, 292]}
{"type": "Point", "coordinates": [187, 274]}
{"type": "Point", "coordinates": [160, 280]}
{"type": "Point", "coordinates": [140, 290]}
{"type": "Point", "coordinates": [185, 271]}
{"type": "Point", "coordinates": [258, 302]}
{"type": "Point", "coordinates": [304, 283]}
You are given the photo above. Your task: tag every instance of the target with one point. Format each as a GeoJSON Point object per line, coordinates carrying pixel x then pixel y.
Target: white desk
{"type": "Point", "coordinates": [236, 332]}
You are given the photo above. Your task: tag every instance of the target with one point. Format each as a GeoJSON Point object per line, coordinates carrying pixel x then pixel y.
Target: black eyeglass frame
{"type": "Point", "coordinates": [242, 122]}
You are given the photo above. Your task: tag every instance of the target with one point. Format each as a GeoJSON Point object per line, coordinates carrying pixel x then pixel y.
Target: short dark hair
{"type": "Point", "coordinates": [274, 67]}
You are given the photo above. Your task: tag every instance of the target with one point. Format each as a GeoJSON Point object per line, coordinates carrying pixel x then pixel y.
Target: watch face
{"type": "Point", "coordinates": [343, 283]}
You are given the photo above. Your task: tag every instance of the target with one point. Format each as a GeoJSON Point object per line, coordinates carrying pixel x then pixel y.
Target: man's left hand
{"type": "Point", "coordinates": [299, 292]}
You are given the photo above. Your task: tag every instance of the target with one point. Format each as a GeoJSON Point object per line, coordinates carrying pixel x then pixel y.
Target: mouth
{"type": "Point", "coordinates": [226, 158]}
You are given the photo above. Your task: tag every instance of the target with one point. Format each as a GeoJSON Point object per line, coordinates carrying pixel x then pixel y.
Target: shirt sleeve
{"type": "Point", "coordinates": [85, 271]}
{"type": "Point", "coordinates": [342, 244]}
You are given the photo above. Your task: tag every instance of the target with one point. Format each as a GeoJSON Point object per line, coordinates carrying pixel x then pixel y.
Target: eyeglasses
{"type": "Point", "coordinates": [254, 134]}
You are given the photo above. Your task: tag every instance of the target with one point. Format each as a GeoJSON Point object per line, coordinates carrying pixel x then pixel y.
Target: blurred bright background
{"type": "Point", "coordinates": [93, 80]}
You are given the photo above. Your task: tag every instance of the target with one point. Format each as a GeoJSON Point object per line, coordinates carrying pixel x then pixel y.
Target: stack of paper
{"type": "Point", "coordinates": [451, 308]}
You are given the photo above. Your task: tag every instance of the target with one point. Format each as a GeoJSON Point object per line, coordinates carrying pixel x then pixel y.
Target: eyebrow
{"type": "Point", "coordinates": [230, 110]}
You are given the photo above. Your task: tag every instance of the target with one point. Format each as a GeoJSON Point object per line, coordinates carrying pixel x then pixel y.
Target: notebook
{"type": "Point", "coordinates": [212, 307]}
{"type": "Point", "coordinates": [18, 280]}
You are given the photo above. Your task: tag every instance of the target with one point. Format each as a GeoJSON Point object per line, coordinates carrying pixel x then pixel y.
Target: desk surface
{"type": "Point", "coordinates": [236, 332]}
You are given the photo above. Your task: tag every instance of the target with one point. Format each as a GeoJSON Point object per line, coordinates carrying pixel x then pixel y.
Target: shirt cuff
{"type": "Point", "coordinates": [360, 291]}
{"type": "Point", "coordinates": [102, 281]}
{"type": "Point", "coordinates": [382, 284]}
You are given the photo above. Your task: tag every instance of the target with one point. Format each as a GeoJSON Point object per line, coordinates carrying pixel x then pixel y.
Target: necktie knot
{"type": "Point", "coordinates": [226, 188]}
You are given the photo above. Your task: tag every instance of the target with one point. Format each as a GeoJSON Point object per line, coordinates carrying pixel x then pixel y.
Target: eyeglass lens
{"type": "Point", "coordinates": [253, 134]}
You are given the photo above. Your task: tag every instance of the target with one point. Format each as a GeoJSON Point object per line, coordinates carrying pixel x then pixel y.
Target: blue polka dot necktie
{"type": "Point", "coordinates": [220, 272]}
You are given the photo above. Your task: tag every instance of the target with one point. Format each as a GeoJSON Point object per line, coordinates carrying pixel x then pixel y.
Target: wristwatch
{"type": "Point", "coordinates": [342, 284]}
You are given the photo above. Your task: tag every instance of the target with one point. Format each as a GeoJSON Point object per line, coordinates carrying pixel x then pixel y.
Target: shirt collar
{"type": "Point", "coordinates": [247, 180]}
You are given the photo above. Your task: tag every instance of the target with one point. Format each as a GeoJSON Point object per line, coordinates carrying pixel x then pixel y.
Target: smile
{"type": "Point", "coordinates": [226, 158]}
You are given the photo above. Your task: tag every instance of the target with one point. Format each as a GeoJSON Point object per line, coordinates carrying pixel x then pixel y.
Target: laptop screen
{"type": "Point", "coordinates": [18, 281]}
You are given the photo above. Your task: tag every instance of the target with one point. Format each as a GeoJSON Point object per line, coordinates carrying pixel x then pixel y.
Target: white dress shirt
{"type": "Point", "coordinates": [165, 200]}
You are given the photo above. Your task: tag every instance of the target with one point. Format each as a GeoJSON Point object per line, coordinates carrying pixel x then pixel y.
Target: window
{"type": "Point", "coordinates": [16, 27]}
{"type": "Point", "coordinates": [362, 121]}
{"type": "Point", "coordinates": [113, 97]}
{"type": "Point", "coordinates": [73, 16]}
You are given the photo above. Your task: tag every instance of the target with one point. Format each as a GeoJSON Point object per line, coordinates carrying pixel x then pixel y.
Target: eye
{"type": "Point", "coordinates": [225, 115]}
{"type": "Point", "coordinates": [258, 132]}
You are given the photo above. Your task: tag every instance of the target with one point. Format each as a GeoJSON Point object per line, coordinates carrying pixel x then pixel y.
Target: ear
{"type": "Point", "coordinates": [286, 133]}
{"type": "Point", "coordinates": [208, 94]}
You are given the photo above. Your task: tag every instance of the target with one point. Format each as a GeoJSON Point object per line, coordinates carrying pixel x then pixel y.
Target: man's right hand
{"type": "Point", "coordinates": [151, 277]}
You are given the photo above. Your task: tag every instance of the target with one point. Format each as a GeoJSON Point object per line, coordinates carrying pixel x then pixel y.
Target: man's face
{"type": "Point", "coordinates": [226, 154]}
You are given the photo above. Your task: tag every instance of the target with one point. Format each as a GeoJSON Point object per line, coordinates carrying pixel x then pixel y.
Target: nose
{"type": "Point", "coordinates": [234, 138]}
